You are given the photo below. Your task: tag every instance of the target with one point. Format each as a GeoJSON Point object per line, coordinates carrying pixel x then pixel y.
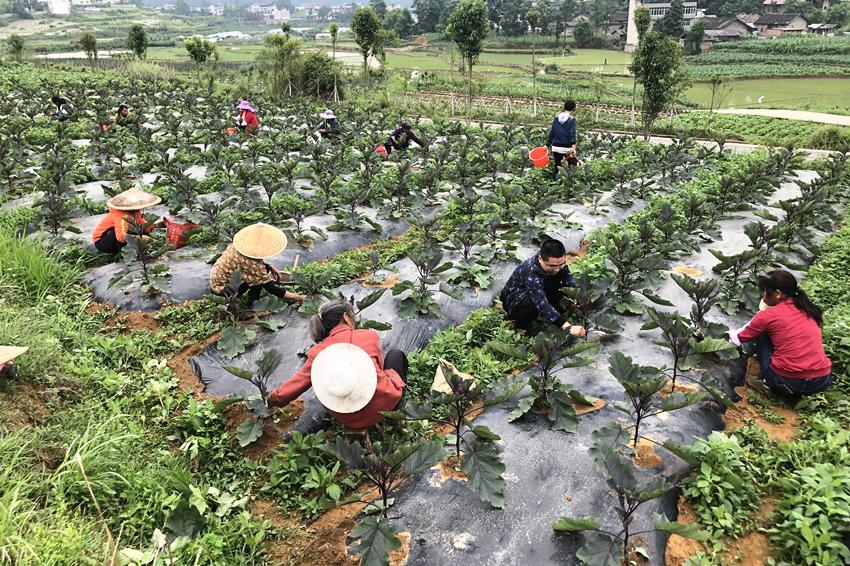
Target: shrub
{"type": "Point", "coordinates": [832, 138]}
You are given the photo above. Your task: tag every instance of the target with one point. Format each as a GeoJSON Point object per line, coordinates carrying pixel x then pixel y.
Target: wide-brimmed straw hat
{"type": "Point", "coordinates": [133, 199]}
{"type": "Point", "coordinates": [259, 241]}
{"type": "Point", "coordinates": [9, 353]}
{"type": "Point", "coordinates": [245, 105]}
{"type": "Point", "coordinates": [344, 378]}
{"type": "Point", "coordinates": [328, 114]}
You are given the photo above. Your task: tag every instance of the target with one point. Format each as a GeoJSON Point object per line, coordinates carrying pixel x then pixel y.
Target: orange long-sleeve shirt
{"type": "Point", "coordinates": [387, 393]}
{"type": "Point", "coordinates": [120, 220]}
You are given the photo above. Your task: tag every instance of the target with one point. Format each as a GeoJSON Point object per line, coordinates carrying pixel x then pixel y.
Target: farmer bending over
{"type": "Point", "coordinates": [787, 339]}
{"type": "Point", "coordinates": [64, 108]}
{"type": "Point", "coordinates": [352, 379]}
{"type": "Point", "coordinates": [124, 217]}
{"type": "Point", "coordinates": [400, 139]}
{"type": "Point", "coordinates": [562, 137]}
{"type": "Point", "coordinates": [330, 125]}
{"type": "Point", "coordinates": [251, 245]}
{"type": "Point", "coordinates": [122, 117]}
{"type": "Point", "coordinates": [535, 289]}
{"type": "Point", "coordinates": [247, 120]}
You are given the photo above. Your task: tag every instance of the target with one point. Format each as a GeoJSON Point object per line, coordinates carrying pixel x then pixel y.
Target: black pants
{"type": "Point", "coordinates": [108, 243]}
{"type": "Point", "coordinates": [254, 291]}
{"type": "Point", "coordinates": [524, 313]}
{"type": "Point", "coordinates": [396, 360]}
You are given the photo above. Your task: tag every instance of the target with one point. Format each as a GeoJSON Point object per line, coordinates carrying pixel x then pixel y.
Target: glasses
{"type": "Point", "coordinates": [558, 267]}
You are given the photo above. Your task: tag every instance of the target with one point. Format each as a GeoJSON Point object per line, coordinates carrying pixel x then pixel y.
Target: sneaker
{"type": "Point", "coordinates": [757, 384]}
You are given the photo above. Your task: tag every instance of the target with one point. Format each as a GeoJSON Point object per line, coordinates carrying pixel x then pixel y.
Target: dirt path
{"type": "Point", "coordinates": [832, 119]}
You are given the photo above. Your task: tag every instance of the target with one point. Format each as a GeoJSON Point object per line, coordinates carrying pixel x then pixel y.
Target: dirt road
{"type": "Point", "coordinates": [833, 119]}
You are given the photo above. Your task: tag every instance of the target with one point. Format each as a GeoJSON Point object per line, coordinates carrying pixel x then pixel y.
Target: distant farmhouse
{"type": "Point", "coordinates": [270, 12]}
{"type": "Point", "coordinates": [656, 11]}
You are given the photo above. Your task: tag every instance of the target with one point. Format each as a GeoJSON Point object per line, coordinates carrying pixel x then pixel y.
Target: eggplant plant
{"type": "Point", "coordinates": [295, 210]}
{"type": "Point", "coordinates": [552, 351]}
{"type": "Point", "coordinates": [385, 466]}
{"type": "Point", "coordinates": [633, 272]}
{"type": "Point", "coordinates": [259, 377]}
{"type": "Point", "coordinates": [348, 198]}
{"type": "Point", "coordinates": [738, 284]}
{"type": "Point", "coordinates": [591, 303]}
{"type": "Point", "coordinates": [139, 256]}
{"type": "Point", "coordinates": [611, 548]}
{"type": "Point", "coordinates": [54, 179]}
{"type": "Point", "coordinates": [474, 445]}
{"type": "Point", "coordinates": [427, 257]}
{"type": "Point", "coordinates": [704, 293]}
{"type": "Point", "coordinates": [643, 385]}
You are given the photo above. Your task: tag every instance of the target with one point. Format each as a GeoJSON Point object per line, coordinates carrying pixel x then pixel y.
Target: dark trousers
{"type": "Point", "coordinates": [396, 360]}
{"type": "Point", "coordinates": [524, 313]}
{"type": "Point", "coordinates": [108, 243]}
{"type": "Point", "coordinates": [559, 158]}
{"type": "Point", "coordinates": [784, 386]}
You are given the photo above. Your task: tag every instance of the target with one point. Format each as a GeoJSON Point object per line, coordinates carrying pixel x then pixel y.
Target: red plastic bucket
{"type": "Point", "coordinates": [539, 156]}
{"type": "Point", "coordinates": [176, 232]}
{"type": "Point", "coordinates": [381, 150]}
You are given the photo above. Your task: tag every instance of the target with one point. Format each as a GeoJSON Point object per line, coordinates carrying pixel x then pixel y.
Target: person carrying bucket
{"type": "Point", "coordinates": [400, 138]}
{"type": "Point", "coordinates": [330, 125]}
{"type": "Point", "coordinates": [247, 120]}
{"type": "Point", "coordinates": [351, 377]}
{"type": "Point", "coordinates": [562, 137]}
{"type": "Point", "coordinates": [251, 245]}
{"type": "Point", "coordinates": [124, 217]}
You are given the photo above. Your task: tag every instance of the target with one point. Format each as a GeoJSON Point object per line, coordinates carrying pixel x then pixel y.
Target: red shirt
{"type": "Point", "coordinates": [387, 393]}
{"type": "Point", "coordinates": [797, 342]}
{"type": "Point", "coordinates": [252, 123]}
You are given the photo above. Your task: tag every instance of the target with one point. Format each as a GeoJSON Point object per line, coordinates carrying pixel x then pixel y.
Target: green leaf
{"type": "Point", "coordinates": [248, 432]}
{"type": "Point", "coordinates": [185, 520]}
{"type": "Point", "coordinates": [273, 325]}
{"type": "Point", "coordinates": [374, 325]}
{"type": "Point", "coordinates": [451, 291]}
{"type": "Point", "coordinates": [508, 350]}
{"type": "Point", "coordinates": [683, 452]}
{"type": "Point", "coordinates": [600, 549]}
{"type": "Point", "coordinates": [423, 456]}
{"type": "Point", "coordinates": [580, 398]}
{"type": "Point", "coordinates": [245, 374]}
{"type": "Point", "coordinates": [568, 525]}
{"type": "Point", "coordinates": [484, 467]}
{"type": "Point", "coordinates": [485, 433]}
{"type": "Point", "coordinates": [691, 531]}
{"type": "Point", "coordinates": [234, 340]}
{"type": "Point", "coordinates": [370, 299]}
{"type": "Point", "coordinates": [503, 389]}
{"type": "Point", "coordinates": [376, 539]}
{"type": "Point", "coordinates": [522, 408]}
{"type": "Point", "coordinates": [562, 413]}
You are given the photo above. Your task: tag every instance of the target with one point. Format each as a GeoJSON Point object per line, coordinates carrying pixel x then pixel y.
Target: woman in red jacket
{"type": "Point", "coordinates": [247, 119]}
{"type": "Point", "coordinates": [350, 376]}
{"type": "Point", "coordinates": [788, 338]}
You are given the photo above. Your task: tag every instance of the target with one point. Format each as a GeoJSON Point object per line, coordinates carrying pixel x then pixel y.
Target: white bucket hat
{"type": "Point", "coordinates": [344, 377]}
{"type": "Point", "coordinates": [328, 114]}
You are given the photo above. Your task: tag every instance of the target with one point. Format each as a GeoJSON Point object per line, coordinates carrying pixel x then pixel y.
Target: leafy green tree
{"type": "Point", "coordinates": [380, 8]}
{"type": "Point", "coordinates": [428, 14]}
{"type": "Point", "coordinates": [181, 7]}
{"type": "Point", "coordinates": [15, 46]}
{"type": "Point", "coordinates": [285, 28]}
{"type": "Point", "coordinates": [656, 66]}
{"type": "Point", "coordinates": [366, 27]}
{"type": "Point", "coordinates": [137, 41]}
{"type": "Point", "coordinates": [643, 19]}
{"type": "Point", "coordinates": [468, 27]}
{"type": "Point", "coordinates": [693, 41]}
{"type": "Point", "coordinates": [670, 25]}
{"type": "Point", "coordinates": [400, 21]}
{"type": "Point", "coordinates": [281, 63]}
{"type": "Point", "coordinates": [319, 73]}
{"type": "Point", "coordinates": [513, 18]}
{"type": "Point", "coordinates": [583, 34]}
{"type": "Point", "coordinates": [334, 31]}
{"type": "Point", "coordinates": [200, 49]}
{"type": "Point", "coordinates": [533, 19]}
{"type": "Point", "coordinates": [601, 11]}
{"type": "Point", "coordinates": [88, 43]}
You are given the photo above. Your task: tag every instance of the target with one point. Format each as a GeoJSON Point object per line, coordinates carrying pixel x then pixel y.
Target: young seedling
{"type": "Point", "coordinates": [591, 302]}
{"type": "Point", "coordinates": [427, 256]}
{"type": "Point", "coordinates": [612, 548]}
{"type": "Point", "coordinates": [704, 294]}
{"type": "Point", "coordinates": [296, 209]}
{"type": "Point", "coordinates": [737, 273]}
{"type": "Point", "coordinates": [452, 404]}
{"type": "Point", "coordinates": [552, 351]}
{"type": "Point", "coordinates": [252, 429]}
{"type": "Point", "coordinates": [385, 466]}
{"type": "Point", "coordinates": [634, 272]}
{"type": "Point", "coordinates": [139, 256]}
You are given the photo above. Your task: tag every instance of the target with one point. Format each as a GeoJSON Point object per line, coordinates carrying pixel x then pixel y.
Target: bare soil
{"type": "Point", "coordinates": [399, 557]}
{"type": "Point", "coordinates": [274, 428]}
{"type": "Point", "coordinates": [645, 455]}
{"type": "Point", "coordinates": [745, 410]}
{"type": "Point", "coordinates": [24, 405]}
{"type": "Point", "coordinates": [449, 470]}
{"type": "Point", "coordinates": [689, 271]}
{"type": "Point", "coordinates": [679, 549]}
{"type": "Point", "coordinates": [179, 364]}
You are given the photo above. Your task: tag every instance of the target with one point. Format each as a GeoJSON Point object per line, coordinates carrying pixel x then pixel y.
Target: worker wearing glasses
{"type": "Point", "coordinates": [536, 289]}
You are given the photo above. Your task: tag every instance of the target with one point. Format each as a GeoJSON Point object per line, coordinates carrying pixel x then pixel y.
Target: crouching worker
{"type": "Point", "coordinates": [400, 138]}
{"type": "Point", "coordinates": [353, 381]}
{"type": "Point", "coordinates": [330, 125]}
{"type": "Point", "coordinates": [124, 217]}
{"type": "Point", "coordinates": [251, 245]}
{"type": "Point", "coordinates": [787, 339]}
{"type": "Point", "coordinates": [535, 289]}
{"type": "Point", "coordinates": [8, 368]}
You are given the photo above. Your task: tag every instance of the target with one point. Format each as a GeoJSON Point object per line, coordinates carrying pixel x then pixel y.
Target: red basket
{"type": "Point", "coordinates": [176, 232]}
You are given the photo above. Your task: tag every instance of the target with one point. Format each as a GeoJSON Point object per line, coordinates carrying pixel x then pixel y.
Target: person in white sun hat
{"type": "Point", "coordinates": [251, 245]}
{"type": "Point", "coordinates": [353, 381]}
{"type": "Point", "coordinates": [125, 217]}
{"type": "Point", "coordinates": [330, 125]}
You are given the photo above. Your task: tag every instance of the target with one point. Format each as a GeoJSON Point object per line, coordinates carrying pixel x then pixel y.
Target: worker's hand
{"type": "Point", "coordinates": [577, 330]}
{"type": "Point", "coordinates": [275, 273]}
{"type": "Point", "coordinates": [295, 297]}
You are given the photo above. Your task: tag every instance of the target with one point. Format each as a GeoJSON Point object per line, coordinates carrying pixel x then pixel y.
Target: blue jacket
{"type": "Point", "coordinates": [529, 280]}
{"type": "Point", "coordinates": [562, 133]}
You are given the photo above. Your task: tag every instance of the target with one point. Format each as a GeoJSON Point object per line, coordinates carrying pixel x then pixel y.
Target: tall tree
{"type": "Point", "coordinates": [281, 63]}
{"type": "Point", "coordinates": [137, 41]}
{"type": "Point", "coordinates": [643, 19]}
{"type": "Point", "coordinates": [380, 7]}
{"type": "Point", "coordinates": [428, 14]}
{"type": "Point", "coordinates": [533, 19]}
{"type": "Point", "coordinates": [693, 39]}
{"type": "Point", "coordinates": [15, 46]}
{"type": "Point", "coordinates": [495, 12]}
{"type": "Point", "coordinates": [656, 66]}
{"type": "Point", "coordinates": [285, 28]}
{"type": "Point", "coordinates": [366, 27]}
{"type": "Point", "coordinates": [583, 34]}
{"type": "Point", "coordinates": [200, 49]}
{"type": "Point", "coordinates": [334, 31]}
{"type": "Point", "coordinates": [670, 24]}
{"type": "Point", "coordinates": [468, 27]}
{"type": "Point", "coordinates": [400, 21]}
{"type": "Point", "coordinates": [513, 17]}
{"type": "Point", "coordinates": [88, 43]}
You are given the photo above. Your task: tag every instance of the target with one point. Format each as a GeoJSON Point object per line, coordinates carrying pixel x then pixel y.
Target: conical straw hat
{"type": "Point", "coordinates": [133, 199]}
{"type": "Point", "coordinates": [344, 377]}
{"type": "Point", "coordinates": [8, 353]}
{"type": "Point", "coordinates": [259, 241]}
